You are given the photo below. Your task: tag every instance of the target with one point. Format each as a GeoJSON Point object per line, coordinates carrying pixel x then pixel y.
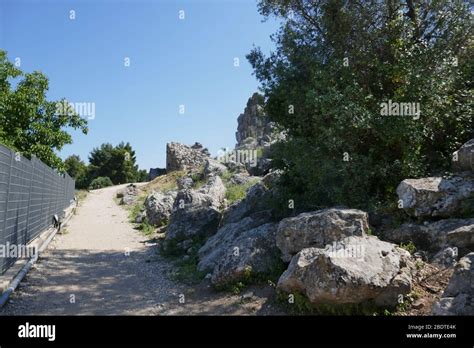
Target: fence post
{"type": "Point", "coordinates": [66, 191]}
{"type": "Point", "coordinates": [8, 193]}
{"type": "Point", "coordinates": [29, 200]}
{"type": "Point", "coordinates": [43, 190]}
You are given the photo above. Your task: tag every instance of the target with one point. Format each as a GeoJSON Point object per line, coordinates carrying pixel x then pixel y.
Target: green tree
{"type": "Point", "coordinates": [142, 175]}
{"type": "Point", "coordinates": [30, 123]}
{"type": "Point", "coordinates": [117, 163]}
{"type": "Point", "coordinates": [335, 63]}
{"type": "Point", "coordinates": [99, 160]}
{"type": "Point", "coordinates": [77, 170]}
{"type": "Point", "coordinates": [74, 166]}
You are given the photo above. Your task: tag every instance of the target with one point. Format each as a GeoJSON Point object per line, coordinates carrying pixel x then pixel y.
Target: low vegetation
{"type": "Point", "coordinates": [100, 182]}
{"type": "Point", "coordinates": [409, 246]}
{"type": "Point", "coordinates": [163, 183]}
{"type": "Point", "coordinates": [81, 195]}
{"type": "Point", "coordinates": [236, 192]}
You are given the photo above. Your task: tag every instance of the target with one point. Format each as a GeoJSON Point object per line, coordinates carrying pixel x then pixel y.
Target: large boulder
{"type": "Point", "coordinates": [354, 270]}
{"type": "Point", "coordinates": [213, 167]}
{"type": "Point", "coordinates": [129, 195]}
{"type": "Point", "coordinates": [463, 159]}
{"type": "Point", "coordinates": [217, 246]}
{"type": "Point", "coordinates": [243, 179]}
{"type": "Point", "coordinates": [182, 157]}
{"type": "Point", "coordinates": [262, 167]}
{"type": "Point", "coordinates": [435, 236]}
{"type": "Point", "coordinates": [446, 257]}
{"type": "Point", "coordinates": [319, 228]}
{"type": "Point", "coordinates": [458, 297]}
{"type": "Point", "coordinates": [195, 215]}
{"type": "Point", "coordinates": [257, 200]}
{"type": "Point", "coordinates": [437, 197]}
{"type": "Point", "coordinates": [158, 207]}
{"type": "Point", "coordinates": [250, 254]}
{"type": "Point", "coordinates": [184, 182]}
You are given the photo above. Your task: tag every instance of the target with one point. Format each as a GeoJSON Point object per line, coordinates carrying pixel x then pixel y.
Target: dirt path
{"type": "Point", "coordinates": [103, 266]}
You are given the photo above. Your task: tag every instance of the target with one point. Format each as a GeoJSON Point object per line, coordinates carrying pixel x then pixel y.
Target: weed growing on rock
{"type": "Point", "coordinates": [410, 247]}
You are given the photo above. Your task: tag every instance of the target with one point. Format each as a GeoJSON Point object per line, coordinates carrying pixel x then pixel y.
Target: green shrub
{"type": "Point", "coordinates": [237, 192]}
{"type": "Point", "coordinates": [410, 247]}
{"type": "Point", "coordinates": [100, 182]}
{"type": "Point", "coordinates": [341, 147]}
{"type": "Point", "coordinates": [186, 271]}
{"type": "Point", "coordinates": [146, 228]}
{"type": "Point", "coordinates": [135, 211]}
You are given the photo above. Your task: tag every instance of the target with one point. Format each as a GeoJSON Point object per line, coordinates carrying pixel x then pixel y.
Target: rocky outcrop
{"type": "Point", "coordinates": [243, 179]}
{"type": "Point", "coordinates": [254, 127]}
{"type": "Point", "coordinates": [235, 166]}
{"type": "Point", "coordinates": [257, 201]}
{"type": "Point", "coordinates": [263, 167]}
{"type": "Point", "coordinates": [319, 228]}
{"type": "Point", "coordinates": [128, 195]}
{"type": "Point", "coordinates": [140, 218]}
{"type": "Point", "coordinates": [217, 246]}
{"type": "Point", "coordinates": [255, 134]}
{"type": "Point", "coordinates": [437, 197]}
{"type": "Point", "coordinates": [249, 254]}
{"type": "Point", "coordinates": [158, 207]}
{"type": "Point", "coordinates": [352, 271]}
{"type": "Point", "coordinates": [195, 215]}
{"type": "Point", "coordinates": [184, 182]}
{"type": "Point", "coordinates": [458, 297]}
{"type": "Point", "coordinates": [446, 257]}
{"type": "Point", "coordinates": [244, 246]}
{"type": "Point", "coordinates": [435, 236]}
{"type": "Point", "coordinates": [182, 157]}
{"type": "Point", "coordinates": [213, 167]}
{"type": "Point", "coordinates": [463, 159]}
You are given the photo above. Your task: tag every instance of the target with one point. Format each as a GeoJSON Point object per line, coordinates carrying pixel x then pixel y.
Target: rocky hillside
{"type": "Point", "coordinates": [254, 128]}
{"type": "Point", "coordinates": [255, 132]}
{"type": "Point", "coordinates": [219, 220]}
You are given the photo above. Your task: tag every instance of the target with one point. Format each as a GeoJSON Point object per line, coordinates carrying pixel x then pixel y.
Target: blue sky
{"type": "Point", "coordinates": [173, 62]}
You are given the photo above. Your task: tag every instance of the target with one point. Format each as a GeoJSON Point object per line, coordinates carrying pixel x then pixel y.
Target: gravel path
{"type": "Point", "coordinates": [99, 266]}
{"type": "Point", "coordinates": [103, 266]}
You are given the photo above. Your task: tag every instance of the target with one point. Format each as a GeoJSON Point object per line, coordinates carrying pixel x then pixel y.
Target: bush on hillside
{"type": "Point", "coordinates": [336, 66]}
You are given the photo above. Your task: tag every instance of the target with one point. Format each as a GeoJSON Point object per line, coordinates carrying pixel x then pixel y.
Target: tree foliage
{"type": "Point", "coordinates": [30, 123]}
{"type": "Point", "coordinates": [336, 61]}
{"type": "Point", "coordinates": [78, 170]}
{"type": "Point", "coordinates": [117, 163]}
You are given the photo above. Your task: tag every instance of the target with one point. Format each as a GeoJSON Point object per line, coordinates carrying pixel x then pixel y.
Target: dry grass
{"type": "Point", "coordinates": [428, 286]}
{"type": "Point", "coordinates": [81, 196]}
{"type": "Point", "coordinates": [163, 183]}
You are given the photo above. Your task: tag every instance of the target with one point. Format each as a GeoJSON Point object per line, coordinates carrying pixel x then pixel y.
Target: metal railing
{"type": "Point", "coordinates": [31, 193]}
